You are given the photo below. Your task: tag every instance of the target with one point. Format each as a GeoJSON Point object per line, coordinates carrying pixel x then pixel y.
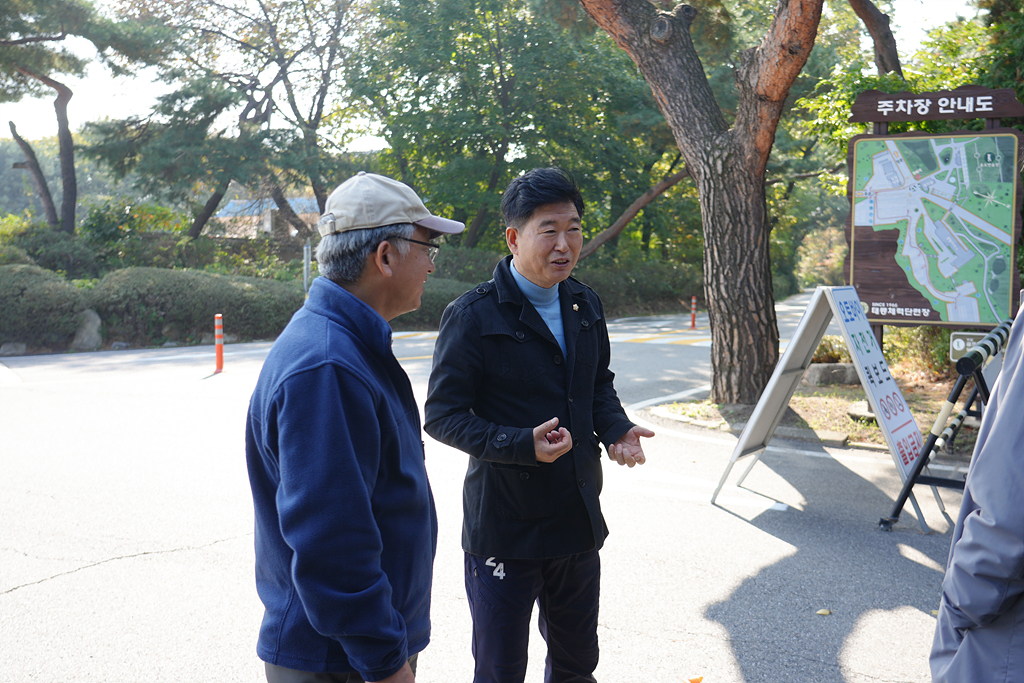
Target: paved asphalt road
{"type": "Point", "coordinates": [126, 535]}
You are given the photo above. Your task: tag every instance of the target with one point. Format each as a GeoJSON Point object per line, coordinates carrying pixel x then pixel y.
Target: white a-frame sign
{"type": "Point", "coordinates": [891, 412]}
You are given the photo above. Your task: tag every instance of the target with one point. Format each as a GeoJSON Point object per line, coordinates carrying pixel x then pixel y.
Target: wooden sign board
{"type": "Point", "coordinates": [934, 225]}
{"type": "Point", "coordinates": [898, 426]}
{"type": "Point", "coordinates": [966, 102]}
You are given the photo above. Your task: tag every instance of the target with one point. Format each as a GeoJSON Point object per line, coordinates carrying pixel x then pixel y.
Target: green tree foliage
{"type": "Point", "coordinates": [821, 257]}
{"type": "Point", "coordinates": [256, 82]}
{"type": "Point", "coordinates": [33, 59]}
{"type": "Point", "coordinates": [469, 93]}
{"type": "Point", "coordinates": [950, 56]}
{"type": "Point", "coordinates": [1003, 64]}
{"type": "Point", "coordinates": [181, 152]}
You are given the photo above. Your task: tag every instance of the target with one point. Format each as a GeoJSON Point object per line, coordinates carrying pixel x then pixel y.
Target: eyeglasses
{"type": "Point", "coordinates": [432, 248]}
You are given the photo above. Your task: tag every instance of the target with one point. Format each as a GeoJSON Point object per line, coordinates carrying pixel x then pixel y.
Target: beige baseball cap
{"type": "Point", "coordinates": [368, 200]}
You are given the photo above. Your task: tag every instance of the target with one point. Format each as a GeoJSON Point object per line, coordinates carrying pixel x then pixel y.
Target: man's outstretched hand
{"type": "Point", "coordinates": [627, 450]}
{"type": "Point", "coordinates": [550, 442]}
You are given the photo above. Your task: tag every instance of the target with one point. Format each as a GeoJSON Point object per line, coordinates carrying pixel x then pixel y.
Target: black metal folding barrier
{"type": "Point", "coordinates": [970, 365]}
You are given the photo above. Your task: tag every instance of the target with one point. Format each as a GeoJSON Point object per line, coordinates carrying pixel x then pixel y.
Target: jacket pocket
{"type": "Point", "coordinates": [522, 493]}
{"type": "Point", "coordinates": [517, 355]}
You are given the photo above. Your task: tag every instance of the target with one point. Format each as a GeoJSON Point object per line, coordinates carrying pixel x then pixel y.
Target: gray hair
{"type": "Point", "coordinates": [341, 257]}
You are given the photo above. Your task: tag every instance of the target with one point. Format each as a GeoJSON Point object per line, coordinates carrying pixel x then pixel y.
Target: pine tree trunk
{"type": "Point", "coordinates": [727, 163]}
{"type": "Point", "coordinates": [738, 284]}
{"type": "Point", "coordinates": [69, 181]}
{"type": "Point", "coordinates": [31, 164]}
{"type": "Point", "coordinates": [67, 149]}
{"type": "Point", "coordinates": [204, 216]}
{"type": "Point", "coordinates": [302, 230]}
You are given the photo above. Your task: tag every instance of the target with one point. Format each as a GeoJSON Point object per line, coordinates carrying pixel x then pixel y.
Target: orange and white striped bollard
{"type": "Point", "coordinates": [693, 313]}
{"type": "Point", "coordinates": [218, 340]}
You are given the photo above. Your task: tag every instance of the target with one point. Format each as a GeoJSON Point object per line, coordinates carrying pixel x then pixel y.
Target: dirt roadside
{"type": "Point", "coordinates": [836, 415]}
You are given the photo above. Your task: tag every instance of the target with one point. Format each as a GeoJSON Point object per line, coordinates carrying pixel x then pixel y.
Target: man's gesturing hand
{"type": "Point", "coordinates": [549, 443]}
{"type": "Point", "coordinates": [627, 450]}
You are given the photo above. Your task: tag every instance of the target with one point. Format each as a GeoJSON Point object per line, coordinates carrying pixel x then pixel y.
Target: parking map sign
{"type": "Point", "coordinates": [934, 225]}
{"type": "Point", "coordinates": [898, 426]}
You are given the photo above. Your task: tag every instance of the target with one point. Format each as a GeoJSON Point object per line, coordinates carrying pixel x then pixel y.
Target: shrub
{"type": "Point", "coordinates": [39, 307]}
{"type": "Point", "coordinates": [125, 233]}
{"type": "Point", "coordinates": [58, 251]}
{"type": "Point", "coordinates": [464, 264]}
{"type": "Point", "coordinates": [252, 257]}
{"type": "Point", "coordinates": [146, 306]}
{"type": "Point", "coordinates": [12, 255]}
{"type": "Point", "coordinates": [13, 226]}
{"type": "Point", "coordinates": [923, 349]}
{"type": "Point", "coordinates": [821, 257]}
{"type": "Point", "coordinates": [437, 294]}
{"type": "Point", "coordinates": [784, 285]}
{"type": "Point", "coordinates": [637, 287]}
{"type": "Point", "coordinates": [120, 219]}
{"type": "Point", "coordinates": [831, 349]}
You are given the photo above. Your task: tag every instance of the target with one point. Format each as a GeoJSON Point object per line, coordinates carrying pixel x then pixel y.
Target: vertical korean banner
{"type": "Point", "coordinates": [898, 426]}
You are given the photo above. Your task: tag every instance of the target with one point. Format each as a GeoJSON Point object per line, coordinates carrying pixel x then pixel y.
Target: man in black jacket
{"type": "Point", "coordinates": [521, 383]}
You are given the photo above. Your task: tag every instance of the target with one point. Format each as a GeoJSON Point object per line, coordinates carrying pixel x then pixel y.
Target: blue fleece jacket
{"type": "Point", "coordinates": [345, 522]}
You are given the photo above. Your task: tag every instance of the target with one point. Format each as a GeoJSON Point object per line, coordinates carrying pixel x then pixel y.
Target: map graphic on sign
{"type": "Point", "coordinates": [933, 227]}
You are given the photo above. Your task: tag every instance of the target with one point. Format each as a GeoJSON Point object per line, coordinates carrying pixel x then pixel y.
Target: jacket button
{"type": "Point", "coordinates": [502, 437]}
{"type": "Point", "coordinates": [524, 475]}
{"type": "Point", "coordinates": [586, 323]}
{"type": "Point", "coordinates": [570, 398]}
{"type": "Point", "coordinates": [575, 443]}
{"type": "Point", "coordinates": [481, 290]}
{"type": "Point", "coordinates": [558, 360]}
{"type": "Point", "coordinates": [583, 483]}
{"type": "Point", "coordinates": [520, 335]}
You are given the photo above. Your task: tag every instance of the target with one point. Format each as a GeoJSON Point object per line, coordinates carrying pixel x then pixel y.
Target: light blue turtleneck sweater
{"type": "Point", "coordinates": [546, 303]}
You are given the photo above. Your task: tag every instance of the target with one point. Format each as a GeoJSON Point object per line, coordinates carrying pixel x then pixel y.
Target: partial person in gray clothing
{"type": "Point", "coordinates": [979, 634]}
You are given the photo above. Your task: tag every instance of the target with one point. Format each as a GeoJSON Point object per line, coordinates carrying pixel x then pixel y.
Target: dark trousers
{"type": "Point", "coordinates": [501, 595]}
{"type": "Point", "coordinates": [279, 674]}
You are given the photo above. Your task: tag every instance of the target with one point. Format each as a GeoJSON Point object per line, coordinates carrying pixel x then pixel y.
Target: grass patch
{"type": "Point", "coordinates": [828, 409]}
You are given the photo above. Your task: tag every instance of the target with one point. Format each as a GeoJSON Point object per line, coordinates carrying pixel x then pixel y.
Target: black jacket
{"type": "Point", "coordinates": [498, 373]}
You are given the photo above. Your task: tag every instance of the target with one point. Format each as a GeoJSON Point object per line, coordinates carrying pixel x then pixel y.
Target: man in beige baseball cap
{"type": "Point", "coordinates": [345, 521]}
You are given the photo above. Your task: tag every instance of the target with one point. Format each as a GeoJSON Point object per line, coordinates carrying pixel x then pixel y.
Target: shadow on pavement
{"type": "Point", "coordinates": [877, 585]}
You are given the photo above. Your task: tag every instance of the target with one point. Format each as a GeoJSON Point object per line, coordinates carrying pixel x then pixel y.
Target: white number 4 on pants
{"type": "Point", "coordinates": [499, 568]}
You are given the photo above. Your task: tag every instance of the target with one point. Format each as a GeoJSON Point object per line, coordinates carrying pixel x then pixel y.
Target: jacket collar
{"type": "Point", "coordinates": [355, 315]}
{"type": "Point", "coordinates": [508, 290]}
{"type": "Point", "coordinates": [576, 308]}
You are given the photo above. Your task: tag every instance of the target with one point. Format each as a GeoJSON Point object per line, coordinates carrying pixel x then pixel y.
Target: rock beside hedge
{"type": "Point", "coordinates": [88, 336]}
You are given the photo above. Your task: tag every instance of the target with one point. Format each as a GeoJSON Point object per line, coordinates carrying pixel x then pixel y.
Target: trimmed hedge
{"type": "Point", "coordinates": [147, 306]}
{"type": "Point", "coordinates": [11, 255]}
{"type": "Point", "coordinates": [642, 288]}
{"type": "Point", "coordinates": [37, 307]}
{"type": "Point", "coordinates": [437, 294]}
{"type": "Point", "coordinates": [466, 265]}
